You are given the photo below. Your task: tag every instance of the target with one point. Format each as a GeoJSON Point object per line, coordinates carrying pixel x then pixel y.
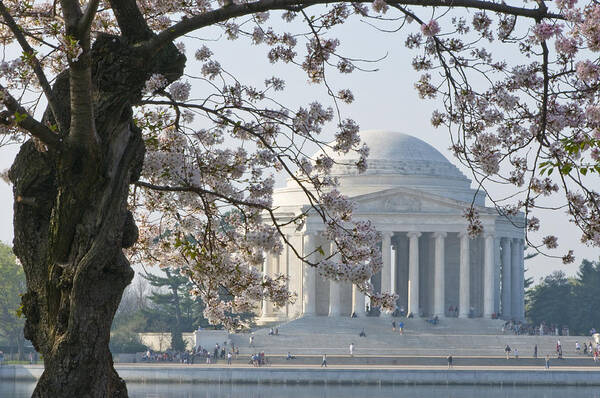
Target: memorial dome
{"type": "Point", "coordinates": [395, 160]}
{"type": "Point", "coordinates": [397, 153]}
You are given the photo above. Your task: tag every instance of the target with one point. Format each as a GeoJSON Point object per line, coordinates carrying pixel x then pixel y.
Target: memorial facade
{"type": "Point", "coordinates": [416, 198]}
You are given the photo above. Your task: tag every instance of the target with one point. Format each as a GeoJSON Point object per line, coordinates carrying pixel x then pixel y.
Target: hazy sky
{"type": "Point", "coordinates": [385, 100]}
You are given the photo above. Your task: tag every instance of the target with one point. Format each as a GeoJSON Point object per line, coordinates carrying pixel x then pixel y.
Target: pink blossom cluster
{"type": "Point", "coordinates": [589, 27]}
{"type": "Point", "coordinates": [550, 241]}
{"type": "Point", "coordinates": [156, 83]}
{"type": "Point", "coordinates": [544, 31]}
{"type": "Point", "coordinates": [205, 201]}
{"type": "Point", "coordinates": [474, 225]}
{"type": "Point", "coordinates": [431, 28]}
{"type": "Point", "coordinates": [380, 6]}
{"type": "Point", "coordinates": [180, 91]}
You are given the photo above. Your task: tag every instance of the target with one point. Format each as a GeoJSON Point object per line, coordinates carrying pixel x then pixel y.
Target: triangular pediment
{"type": "Point", "coordinates": [407, 200]}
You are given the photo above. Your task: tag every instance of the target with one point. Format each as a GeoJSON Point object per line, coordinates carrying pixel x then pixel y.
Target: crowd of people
{"type": "Point", "coordinates": [198, 355]}
{"type": "Point", "coordinates": [590, 349]}
{"type": "Point", "coordinates": [259, 359]}
{"type": "Point", "coordinates": [521, 328]}
{"type": "Point", "coordinates": [203, 355]}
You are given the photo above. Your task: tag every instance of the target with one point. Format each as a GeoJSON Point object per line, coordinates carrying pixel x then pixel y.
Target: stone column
{"type": "Point", "coordinates": [309, 284]}
{"type": "Point", "coordinates": [439, 290]}
{"type": "Point", "coordinates": [335, 288]}
{"type": "Point", "coordinates": [267, 270]}
{"type": "Point", "coordinates": [464, 298]}
{"type": "Point", "coordinates": [394, 266]}
{"type": "Point", "coordinates": [506, 278]}
{"type": "Point", "coordinates": [413, 273]}
{"type": "Point", "coordinates": [516, 290]}
{"type": "Point", "coordinates": [497, 275]}
{"type": "Point", "coordinates": [386, 270]}
{"type": "Point", "coordinates": [520, 315]}
{"type": "Point", "coordinates": [488, 276]}
{"type": "Point", "coordinates": [358, 301]}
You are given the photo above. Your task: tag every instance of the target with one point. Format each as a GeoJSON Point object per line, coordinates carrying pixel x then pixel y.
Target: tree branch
{"type": "Point", "coordinates": [237, 10]}
{"type": "Point", "coordinates": [88, 16]}
{"type": "Point", "coordinates": [35, 63]}
{"type": "Point", "coordinates": [34, 127]}
{"type": "Point", "coordinates": [200, 191]}
{"type": "Point", "coordinates": [131, 21]}
{"type": "Point", "coordinates": [72, 14]}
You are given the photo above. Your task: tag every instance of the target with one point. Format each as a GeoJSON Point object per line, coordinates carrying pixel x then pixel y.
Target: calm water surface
{"type": "Point", "coordinates": [23, 390]}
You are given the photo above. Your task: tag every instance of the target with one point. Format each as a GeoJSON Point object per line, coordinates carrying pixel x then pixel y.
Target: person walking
{"type": "Point", "coordinates": [251, 341]}
{"type": "Point", "coordinates": [229, 356]}
{"type": "Point", "coordinates": [507, 351]}
{"type": "Point", "coordinates": [535, 351]}
{"type": "Point", "coordinates": [547, 362]}
{"type": "Point", "coordinates": [449, 361]}
{"type": "Point", "coordinates": [324, 362]}
{"type": "Point", "coordinates": [516, 353]}
{"type": "Point", "coordinates": [351, 349]}
{"type": "Point", "coordinates": [393, 326]}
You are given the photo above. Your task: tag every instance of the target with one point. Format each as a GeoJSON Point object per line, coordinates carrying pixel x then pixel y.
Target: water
{"type": "Point", "coordinates": [24, 390]}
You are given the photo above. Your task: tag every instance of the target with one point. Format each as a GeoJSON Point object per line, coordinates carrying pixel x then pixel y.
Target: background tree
{"type": "Point", "coordinates": [116, 144]}
{"type": "Point", "coordinates": [586, 298]}
{"type": "Point", "coordinates": [173, 306]}
{"type": "Point", "coordinates": [12, 285]}
{"type": "Point", "coordinates": [571, 302]}
{"type": "Point", "coordinates": [528, 256]}
{"type": "Point", "coordinates": [550, 301]}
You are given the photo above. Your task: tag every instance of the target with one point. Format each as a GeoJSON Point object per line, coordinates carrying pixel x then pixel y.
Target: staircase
{"type": "Point", "coordinates": [459, 337]}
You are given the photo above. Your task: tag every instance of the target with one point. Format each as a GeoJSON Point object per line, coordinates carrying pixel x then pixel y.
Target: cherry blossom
{"type": "Point", "coordinates": [204, 198]}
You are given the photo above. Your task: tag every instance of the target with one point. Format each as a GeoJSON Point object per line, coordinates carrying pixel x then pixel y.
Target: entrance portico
{"type": "Point", "coordinates": [416, 199]}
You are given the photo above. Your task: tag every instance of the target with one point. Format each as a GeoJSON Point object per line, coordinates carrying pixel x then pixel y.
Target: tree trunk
{"type": "Point", "coordinates": [71, 222]}
{"type": "Point", "coordinates": [21, 345]}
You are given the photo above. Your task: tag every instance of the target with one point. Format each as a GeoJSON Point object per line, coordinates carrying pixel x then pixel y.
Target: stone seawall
{"type": "Point", "coordinates": [333, 376]}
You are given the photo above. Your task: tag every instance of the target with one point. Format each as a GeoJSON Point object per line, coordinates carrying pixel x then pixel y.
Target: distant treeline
{"type": "Point", "coordinates": [572, 302]}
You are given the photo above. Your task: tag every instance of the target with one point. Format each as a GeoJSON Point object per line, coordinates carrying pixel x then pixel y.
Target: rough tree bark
{"type": "Point", "coordinates": [71, 223]}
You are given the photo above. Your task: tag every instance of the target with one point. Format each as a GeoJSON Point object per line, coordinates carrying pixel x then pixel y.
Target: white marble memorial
{"type": "Point", "coordinates": [416, 198]}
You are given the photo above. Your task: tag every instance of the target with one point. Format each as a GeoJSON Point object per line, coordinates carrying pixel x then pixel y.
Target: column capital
{"type": "Point", "coordinates": [519, 241]}
{"type": "Point", "coordinates": [440, 234]}
{"type": "Point", "coordinates": [489, 234]}
{"type": "Point", "coordinates": [413, 234]}
{"type": "Point", "coordinates": [464, 234]}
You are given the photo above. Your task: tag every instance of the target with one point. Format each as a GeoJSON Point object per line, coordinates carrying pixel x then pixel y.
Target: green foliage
{"type": "Point", "coordinates": [549, 301]}
{"type": "Point", "coordinates": [128, 343]}
{"type": "Point", "coordinates": [585, 312]}
{"type": "Point", "coordinates": [528, 281]}
{"type": "Point", "coordinates": [12, 285]}
{"type": "Point", "coordinates": [124, 336]}
{"type": "Point", "coordinates": [572, 302]}
{"type": "Point", "coordinates": [173, 308]}
{"type": "Point", "coordinates": [573, 147]}
{"type": "Point", "coordinates": [158, 303]}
